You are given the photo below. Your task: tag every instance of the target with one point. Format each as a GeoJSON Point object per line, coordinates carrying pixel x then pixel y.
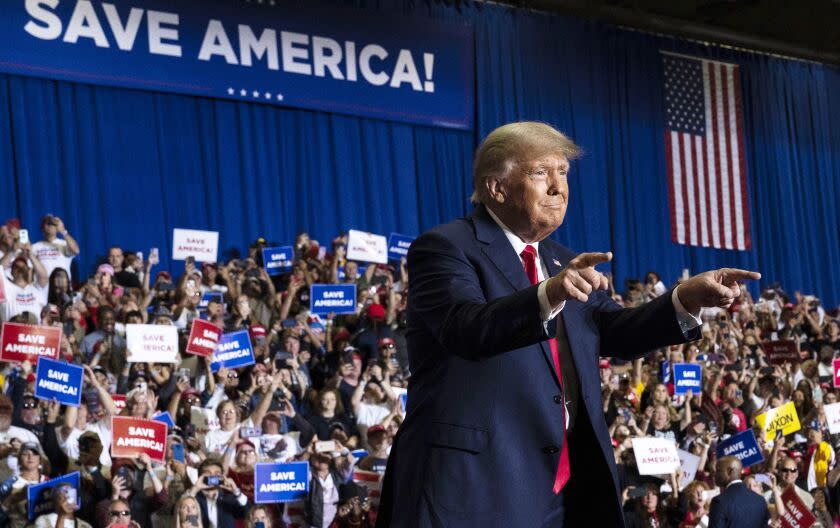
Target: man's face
{"type": "Point", "coordinates": [532, 200]}
{"type": "Point", "coordinates": [106, 321]}
{"type": "Point", "coordinates": [49, 228]}
{"type": "Point", "coordinates": [291, 345]}
{"type": "Point", "coordinates": [788, 473]}
{"type": "Point", "coordinates": [115, 257]}
{"type": "Point", "coordinates": [30, 414]}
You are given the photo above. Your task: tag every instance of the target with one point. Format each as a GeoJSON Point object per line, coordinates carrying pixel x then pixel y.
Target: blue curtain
{"type": "Point", "coordinates": [125, 167]}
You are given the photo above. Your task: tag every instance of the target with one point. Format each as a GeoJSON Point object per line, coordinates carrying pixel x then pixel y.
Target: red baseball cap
{"type": "Point", "coordinates": [376, 312]}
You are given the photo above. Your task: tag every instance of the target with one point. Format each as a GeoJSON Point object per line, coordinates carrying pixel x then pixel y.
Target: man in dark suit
{"type": "Point", "coordinates": [737, 506]}
{"type": "Point", "coordinates": [222, 504]}
{"type": "Point", "coordinates": [504, 424]}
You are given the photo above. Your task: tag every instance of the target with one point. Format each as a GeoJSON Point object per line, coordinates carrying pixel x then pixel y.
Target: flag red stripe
{"type": "Point", "coordinates": [695, 169]}
{"type": "Point", "coordinates": [739, 123]}
{"type": "Point", "coordinates": [684, 187]}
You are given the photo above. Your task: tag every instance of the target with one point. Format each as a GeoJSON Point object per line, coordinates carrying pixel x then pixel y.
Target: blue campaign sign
{"type": "Point", "coordinates": [278, 260]}
{"type": "Point", "coordinates": [40, 495]}
{"type": "Point", "coordinates": [276, 482]}
{"type": "Point", "coordinates": [166, 418]}
{"type": "Point", "coordinates": [687, 376]}
{"type": "Point", "coordinates": [335, 298]}
{"type": "Point", "coordinates": [60, 381]}
{"type": "Point", "coordinates": [398, 246]}
{"type": "Point", "coordinates": [233, 351]}
{"type": "Point", "coordinates": [210, 296]}
{"type": "Point", "coordinates": [744, 446]}
{"type": "Point", "coordinates": [352, 61]}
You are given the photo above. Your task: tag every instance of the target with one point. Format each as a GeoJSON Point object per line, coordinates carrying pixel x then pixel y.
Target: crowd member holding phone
{"type": "Point", "coordinates": [66, 506]}
{"type": "Point", "coordinates": [220, 500]}
{"type": "Point", "coordinates": [52, 251]}
{"type": "Point", "coordinates": [26, 288]}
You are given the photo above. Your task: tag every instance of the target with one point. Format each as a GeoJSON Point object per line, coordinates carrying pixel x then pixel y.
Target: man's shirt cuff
{"type": "Point", "coordinates": [546, 313]}
{"type": "Point", "coordinates": [687, 321]}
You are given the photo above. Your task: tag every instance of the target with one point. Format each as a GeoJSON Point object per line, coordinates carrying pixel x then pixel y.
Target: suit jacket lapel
{"type": "Point", "coordinates": [498, 249]}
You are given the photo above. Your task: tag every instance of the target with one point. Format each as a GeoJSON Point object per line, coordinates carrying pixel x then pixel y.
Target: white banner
{"type": "Point", "coordinates": [656, 456]}
{"type": "Point", "coordinates": [367, 247]}
{"type": "Point", "coordinates": [832, 417]}
{"type": "Point", "coordinates": [203, 245]}
{"type": "Point", "coordinates": [151, 343]}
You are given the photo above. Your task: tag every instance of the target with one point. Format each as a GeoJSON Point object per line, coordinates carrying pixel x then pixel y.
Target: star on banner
{"type": "Point", "coordinates": [230, 91]}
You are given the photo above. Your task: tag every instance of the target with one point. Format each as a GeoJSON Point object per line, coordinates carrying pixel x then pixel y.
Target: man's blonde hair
{"type": "Point", "coordinates": [504, 147]}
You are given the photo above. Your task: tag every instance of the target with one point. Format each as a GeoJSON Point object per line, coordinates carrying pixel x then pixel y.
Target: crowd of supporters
{"type": "Point", "coordinates": [330, 390]}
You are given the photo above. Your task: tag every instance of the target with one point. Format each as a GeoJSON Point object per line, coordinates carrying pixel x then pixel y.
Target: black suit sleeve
{"type": "Point", "coordinates": [716, 517]}
{"type": "Point", "coordinates": [447, 295]}
{"type": "Point", "coordinates": [58, 459]}
{"type": "Point", "coordinates": [628, 333]}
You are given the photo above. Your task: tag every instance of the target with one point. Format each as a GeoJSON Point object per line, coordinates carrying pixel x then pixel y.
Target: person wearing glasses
{"type": "Point", "coordinates": [128, 479]}
{"type": "Point", "coordinates": [223, 440]}
{"type": "Point", "coordinates": [32, 469]}
{"type": "Point", "coordinates": [119, 514]}
{"type": "Point", "coordinates": [788, 475]}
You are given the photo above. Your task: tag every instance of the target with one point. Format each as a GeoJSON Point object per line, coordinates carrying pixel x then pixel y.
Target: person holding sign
{"type": "Point", "coordinates": [493, 302]}
{"type": "Point", "coordinates": [736, 506]}
{"type": "Point", "coordinates": [25, 293]}
{"type": "Point", "coordinates": [64, 502]}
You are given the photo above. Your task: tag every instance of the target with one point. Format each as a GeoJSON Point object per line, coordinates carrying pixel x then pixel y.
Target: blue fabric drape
{"type": "Point", "coordinates": [125, 167]}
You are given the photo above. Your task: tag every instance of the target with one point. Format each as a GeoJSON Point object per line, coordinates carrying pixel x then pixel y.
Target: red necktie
{"type": "Point", "coordinates": [529, 258]}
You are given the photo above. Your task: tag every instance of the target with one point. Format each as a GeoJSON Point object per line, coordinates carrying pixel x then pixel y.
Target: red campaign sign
{"type": "Point", "coordinates": [796, 514]}
{"type": "Point", "coordinates": [132, 436]}
{"type": "Point", "coordinates": [119, 402]}
{"type": "Point", "coordinates": [204, 337]}
{"type": "Point", "coordinates": [779, 352]}
{"type": "Point", "coordinates": [837, 372]}
{"type": "Point", "coordinates": [22, 342]}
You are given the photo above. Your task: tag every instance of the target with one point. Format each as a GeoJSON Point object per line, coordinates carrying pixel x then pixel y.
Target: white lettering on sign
{"type": "Point", "coordinates": [223, 347]}
{"type": "Point", "coordinates": [85, 23]}
{"type": "Point", "coordinates": [61, 376]}
{"type": "Point", "coordinates": [141, 431]}
{"type": "Point", "coordinates": [34, 339]}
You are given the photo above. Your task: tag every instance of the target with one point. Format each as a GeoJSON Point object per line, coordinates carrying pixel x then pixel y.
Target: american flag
{"type": "Point", "coordinates": [704, 146]}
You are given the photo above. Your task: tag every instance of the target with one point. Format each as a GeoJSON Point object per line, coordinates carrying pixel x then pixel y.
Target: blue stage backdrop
{"type": "Point", "coordinates": [125, 165]}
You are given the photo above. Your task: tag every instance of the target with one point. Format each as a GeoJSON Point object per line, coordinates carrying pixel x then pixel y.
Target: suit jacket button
{"type": "Point", "coordinates": [550, 450]}
{"type": "Point", "coordinates": [558, 399]}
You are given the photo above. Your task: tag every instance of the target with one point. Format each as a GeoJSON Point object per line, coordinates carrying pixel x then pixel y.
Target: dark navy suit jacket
{"type": "Point", "coordinates": [738, 507]}
{"type": "Point", "coordinates": [481, 440]}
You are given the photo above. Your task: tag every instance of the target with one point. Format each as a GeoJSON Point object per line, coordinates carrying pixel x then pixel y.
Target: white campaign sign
{"type": "Point", "coordinates": [203, 245]}
{"type": "Point", "coordinates": [832, 417]}
{"type": "Point", "coordinates": [367, 247]}
{"type": "Point", "coordinates": [151, 343]}
{"type": "Point", "coordinates": [656, 456]}
{"type": "Point", "coordinates": [689, 464]}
